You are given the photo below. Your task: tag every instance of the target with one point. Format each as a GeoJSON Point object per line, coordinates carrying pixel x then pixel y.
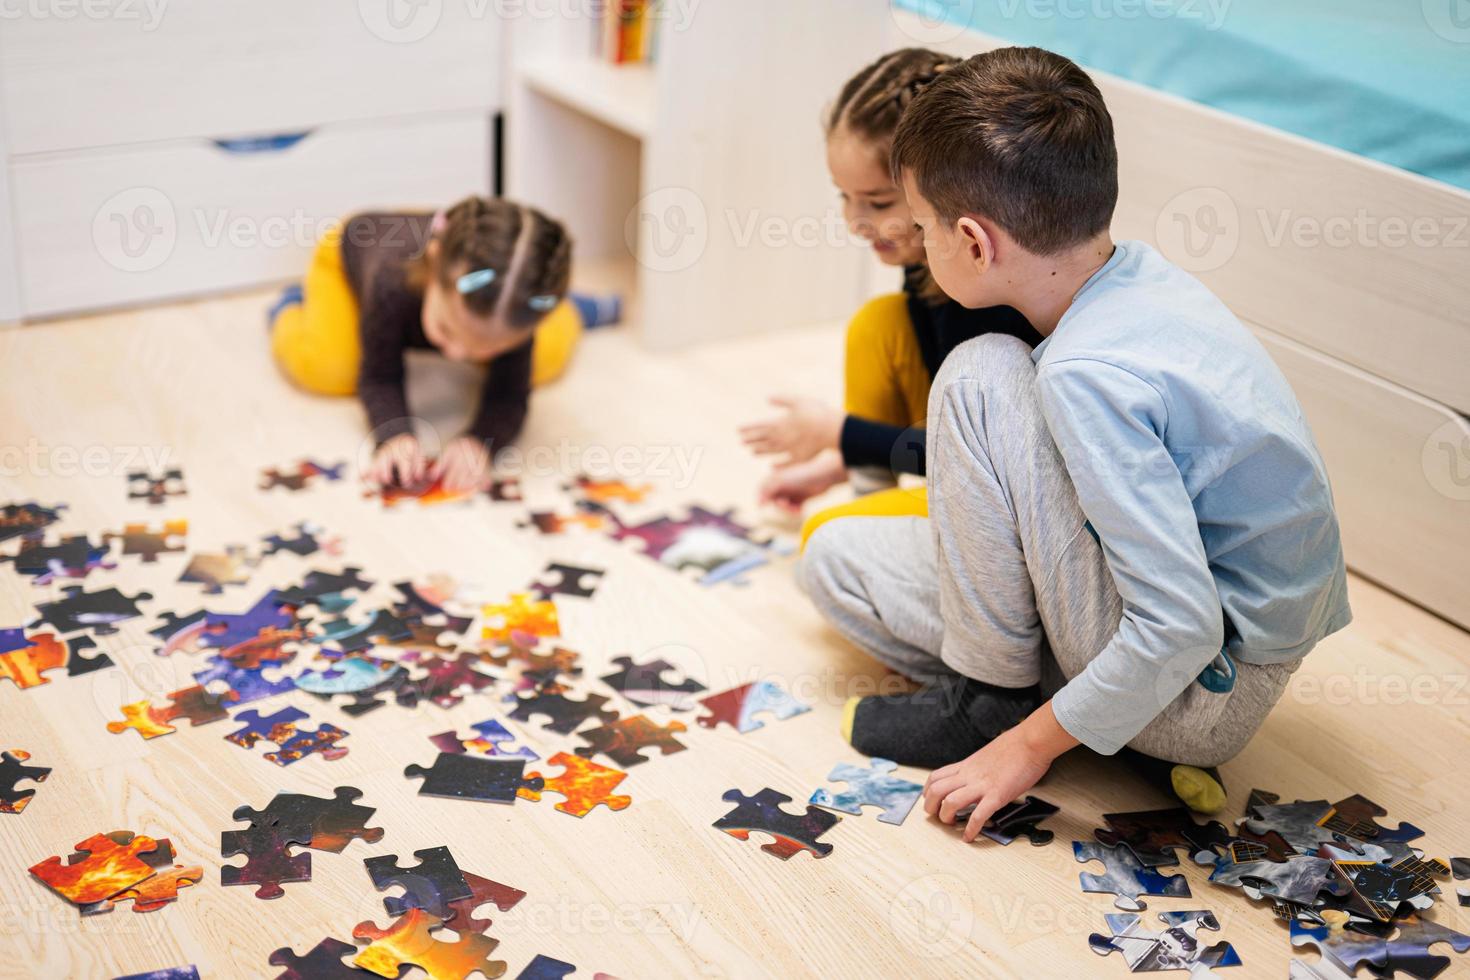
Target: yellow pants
{"type": "Point", "coordinates": [317, 345]}
{"type": "Point", "coordinates": [886, 382]}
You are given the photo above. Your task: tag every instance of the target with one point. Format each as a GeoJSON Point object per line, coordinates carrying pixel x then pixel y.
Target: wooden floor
{"type": "Point", "coordinates": [652, 891]}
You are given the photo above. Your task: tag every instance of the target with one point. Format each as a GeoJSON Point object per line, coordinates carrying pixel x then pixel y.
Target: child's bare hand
{"type": "Point", "coordinates": [790, 486]}
{"type": "Point", "coordinates": [999, 773]}
{"type": "Point", "coordinates": [464, 466]}
{"type": "Point", "coordinates": [807, 427]}
{"type": "Point", "coordinates": [399, 462]}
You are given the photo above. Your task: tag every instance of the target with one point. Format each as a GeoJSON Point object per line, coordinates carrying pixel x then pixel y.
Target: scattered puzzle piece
{"type": "Point", "coordinates": [13, 770]}
{"type": "Point", "coordinates": [792, 832]}
{"type": "Point", "coordinates": [567, 580]}
{"type": "Point", "coordinates": [269, 863]}
{"type": "Point", "coordinates": [507, 490]}
{"type": "Point", "coordinates": [334, 822]}
{"type": "Point", "coordinates": [1300, 879]}
{"type": "Point", "coordinates": [408, 942]}
{"type": "Point", "coordinates": [27, 518]}
{"type": "Point", "coordinates": [182, 634]}
{"type": "Point", "coordinates": [738, 706]}
{"type": "Point", "coordinates": [143, 718]}
{"type": "Point", "coordinates": [138, 540]}
{"type": "Point", "coordinates": [520, 614]}
{"type": "Point", "coordinates": [298, 477]}
{"type": "Point", "coordinates": [483, 891]}
{"type": "Point", "coordinates": [143, 485]}
{"type": "Point", "coordinates": [566, 714]}
{"type": "Point", "coordinates": [1126, 877]}
{"type": "Point", "coordinates": [646, 686]}
{"type": "Point", "coordinates": [170, 973]}
{"type": "Point", "coordinates": [426, 494]}
{"type": "Point", "coordinates": [585, 784]}
{"type": "Point", "coordinates": [104, 865]}
{"type": "Point", "coordinates": [324, 962]}
{"type": "Point", "coordinates": [491, 738]}
{"type": "Point", "coordinates": [587, 517]}
{"type": "Point", "coordinates": [624, 741]}
{"type": "Point", "coordinates": [292, 743]}
{"type": "Point", "coordinates": [159, 891]}
{"type": "Point", "coordinates": [609, 491]}
{"type": "Point", "coordinates": [875, 786]}
{"type": "Point", "coordinates": [1461, 869]}
{"type": "Point", "coordinates": [350, 676]}
{"type": "Point", "coordinates": [215, 570]}
{"type": "Point", "coordinates": [73, 558]}
{"type": "Point", "coordinates": [1345, 945]}
{"type": "Point", "coordinates": [27, 665]}
{"type": "Point", "coordinates": [544, 967]}
{"type": "Point", "coordinates": [431, 885]}
{"type": "Point", "coordinates": [1152, 834]}
{"type": "Point", "coordinates": [444, 679]}
{"type": "Point", "coordinates": [471, 777]}
{"type": "Point", "coordinates": [1020, 819]}
{"type": "Point", "coordinates": [325, 590]}
{"type": "Point", "coordinates": [1177, 947]}
{"type": "Point", "coordinates": [98, 611]}
{"type": "Point", "coordinates": [354, 637]}
{"type": "Point", "coordinates": [308, 540]}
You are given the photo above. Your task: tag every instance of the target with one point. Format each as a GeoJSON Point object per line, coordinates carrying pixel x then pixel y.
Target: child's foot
{"type": "Point", "coordinates": [943, 722]}
{"type": "Point", "coordinates": [1202, 790]}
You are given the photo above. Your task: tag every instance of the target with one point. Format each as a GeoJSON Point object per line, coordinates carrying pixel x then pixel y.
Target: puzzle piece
{"type": "Point", "coordinates": [13, 770]}
{"type": "Point", "coordinates": [225, 630]}
{"type": "Point", "coordinates": [431, 885]}
{"type": "Point", "coordinates": [426, 604]}
{"type": "Point", "coordinates": [520, 615]}
{"type": "Point", "coordinates": [266, 844]}
{"type": "Point", "coordinates": [138, 540]}
{"type": "Point", "coordinates": [705, 540]}
{"type": "Point", "coordinates": [298, 477]}
{"type": "Point", "coordinates": [143, 485]}
{"type": "Point", "coordinates": [543, 967]}
{"type": "Point", "coordinates": [27, 665]}
{"type": "Point", "coordinates": [324, 962]}
{"type": "Point", "coordinates": [491, 738]}
{"type": "Point", "coordinates": [1125, 877]}
{"type": "Point", "coordinates": [325, 590]}
{"type": "Point", "coordinates": [738, 706]}
{"type": "Point", "coordinates": [308, 540]}
{"type": "Point", "coordinates": [568, 580]}
{"type": "Point", "coordinates": [1300, 879]}
{"type": "Point", "coordinates": [334, 822]}
{"type": "Point", "coordinates": [157, 892]}
{"type": "Point", "coordinates": [354, 637]}
{"type": "Point", "coordinates": [566, 714]}
{"type": "Point", "coordinates": [197, 705]}
{"type": "Point", "coordinates": [645, 685]}
{"type": "Point", "coordinates": [507, 490]}
{"type": "Point", "coordinates": [427, 494]}
{"type": "Point", "coordinates": [1355, 817]}
{"type": "Point", "coordinates": [585, 784]}
{"type": "Point", "coordinates": [292, 743]}
{"type": "Point", "coordinates": [535, 669]}
{"type": "Point", "coordinates": [408, 942]}
{"type": "Point", "coordinates": [1308, 824]}
{"type": "Point", "coordinates": [624, 741]}
{"type": "Point", "coordinates": [443, 679]}
{"type": "Point", "coordinates": [27, 518]}
{"type": "Point", "coordinates": [1177, 947]}
{"type": "Point", "coordinates": [103, 866]}
{"type": "Point", "coordinates": [471, 777]}
{"type": "Point", "coordinates": [1152, 834]}
{"type": "Point", "coordinates": [1378, 890]}
{"type": "Point", "coordinates": [1461, 869]}
{"type": "Point", "coordinates": [237, 686]}
{"type": "Point", "coordinates": [73, 558]}
{"type": "Point", "coordinates": [874, 786]}
{"type": "Point", "coordinates": [483, 891]}
{"type": "Point", "coordinates": [98, 611]}
{"type": "Point", "coordinates": [792, 832]}
{"type": "Point", "coordinates": [1345, 945]}
{"type": "Point", "coordinates": [1020, 819]}
{"type": "Point", "coordinates": [350, 676]}
{"type": "Point", "coordinates": [609, 491]}
{"type": "Point", "coordinates": [587, 517]}
{"type": "Point", "coordinates": [215, 570]}
{"type": "Point", "coordinates": [181, 634]}
{"type": "Point", "coordinates": [265, 648]}
{"type": "Point", "coordinates": [143, 718]}
{"type": "Point", "coordinates": [170, 973]}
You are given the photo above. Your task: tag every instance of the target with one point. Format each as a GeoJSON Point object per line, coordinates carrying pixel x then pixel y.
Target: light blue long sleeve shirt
{"type": "Point", "coordinates": [1199, 475]}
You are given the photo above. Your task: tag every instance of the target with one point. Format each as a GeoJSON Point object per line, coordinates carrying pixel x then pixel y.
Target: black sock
{"type": "Point", "coordinates": [943, 722]}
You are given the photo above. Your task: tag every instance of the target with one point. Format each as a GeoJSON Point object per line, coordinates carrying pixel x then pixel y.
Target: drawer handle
{"type": "Point", "coordinates": [278, 143]}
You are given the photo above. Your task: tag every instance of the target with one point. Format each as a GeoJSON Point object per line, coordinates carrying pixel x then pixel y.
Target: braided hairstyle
{"type": "Point", "coordinates": [530, 254]}
{"type": "Point", "coordinates": [871, 104]}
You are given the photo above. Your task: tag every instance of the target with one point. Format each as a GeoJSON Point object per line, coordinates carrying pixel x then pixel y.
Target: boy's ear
{"type": "Point", "coordinates": [431, 251]}
{"type": "Point", "coordinates": [977, 241]}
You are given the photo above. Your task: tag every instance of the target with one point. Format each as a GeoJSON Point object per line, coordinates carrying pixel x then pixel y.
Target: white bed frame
{"type": "Point", "coordinates": [1356, 277]}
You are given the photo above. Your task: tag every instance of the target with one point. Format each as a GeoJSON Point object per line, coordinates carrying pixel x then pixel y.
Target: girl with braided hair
{"type": "Point", "coordinates": [484, 281]}
{"type": "Point", "coordinates": [895, 343]}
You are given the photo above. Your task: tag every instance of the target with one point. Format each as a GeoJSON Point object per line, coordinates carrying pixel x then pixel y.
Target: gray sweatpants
{"type": "Point", "coordinates": [1003, 582]}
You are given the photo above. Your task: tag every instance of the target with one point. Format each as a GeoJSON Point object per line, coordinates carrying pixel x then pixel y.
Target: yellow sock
{"type": "Point", "coordinates": [1199, 791]}
{"type": "Point", "coordinates": [849, 711]}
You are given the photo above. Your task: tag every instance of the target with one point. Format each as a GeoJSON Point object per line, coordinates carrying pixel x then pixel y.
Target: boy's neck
{"type": "Point", "coordinates": [1047, 284]}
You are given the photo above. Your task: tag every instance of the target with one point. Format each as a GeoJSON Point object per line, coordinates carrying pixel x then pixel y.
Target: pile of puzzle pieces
{"type": "Point", "coordinates": [109, 869]}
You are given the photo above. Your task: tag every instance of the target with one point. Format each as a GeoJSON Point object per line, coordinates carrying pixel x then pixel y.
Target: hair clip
{"type": "Point", "coordinates": [474, 281]}
{"type": "Point", "coordinates": [543, 304]}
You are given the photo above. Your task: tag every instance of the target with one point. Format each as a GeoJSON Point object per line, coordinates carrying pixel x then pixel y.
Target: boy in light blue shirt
{"type": "Point", "coordinates": [1131, 540]}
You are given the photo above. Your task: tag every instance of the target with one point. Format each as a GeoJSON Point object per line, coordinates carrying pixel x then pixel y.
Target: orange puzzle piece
{"type": "Point", "coordinates": [163, 888]}
{"type": "Point", "coordinates": [108, 868]}
{"type": "Point", "coordinates": [26, 665]}
{"type": "Point", "coordinates": [146, 720]}
{"type": "Point", "coordinates": [608, 491]}
{"type": "Point", "coordinates": [520, 615]}
{"type": "Point", "coordinates": [585, 784]}
{"type": "Point", "coordinates": [407, 942]}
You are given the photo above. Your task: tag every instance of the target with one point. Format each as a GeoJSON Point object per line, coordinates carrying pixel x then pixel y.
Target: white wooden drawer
{"type": "Point", "coordinates": [124, 225]}
{"type": "Point", "coordinates": [1400, 468]}
{"type": "Point", "coordinates": [239, 67]}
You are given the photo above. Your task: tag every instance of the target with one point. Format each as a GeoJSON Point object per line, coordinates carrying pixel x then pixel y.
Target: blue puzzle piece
{"type": "Point", "coordinates": [248, 685]}
{"type": "Point", "coordinates": [224, 630]}
{"type": "Point", "coordinates": [872, 787]}
{"type": "Point", "coordinates": [1126, 877]}
{"type": "Point", "coordinates": [258, 726]}
{"type": "Point", "coordinates": [349, 676]}
{"type": "Point", "coordinates": [543, 967]}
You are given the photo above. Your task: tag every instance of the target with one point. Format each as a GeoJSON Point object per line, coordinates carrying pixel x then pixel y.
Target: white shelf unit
{"type": "Point", "coordinates": [705, 170]}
